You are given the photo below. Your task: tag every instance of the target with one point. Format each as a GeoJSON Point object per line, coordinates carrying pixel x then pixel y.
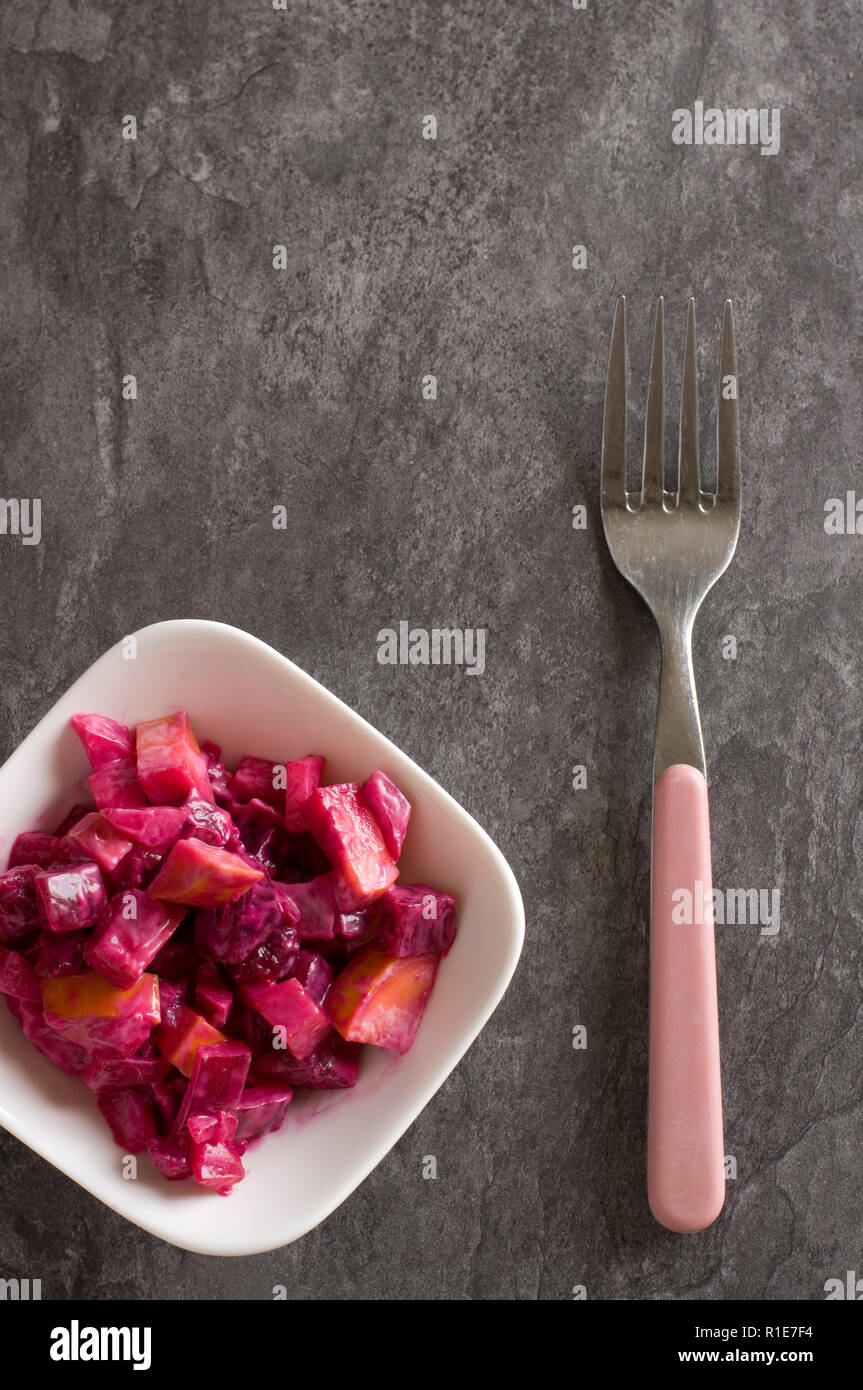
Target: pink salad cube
{"type": "Point", "coordinates": [346, 830]}
{"type": "Point", "coordinates": [170, 763]}
{"type": "Point", "coordinates": [302, 777]}
{"type": "Point", "coordinates": [132, 933]}
{"type": "Point", "coordinates": [255, 777]}
{"type": "Point", "coordinates": [20, 910]}
{"type": "Point", "coordinates": [390, 808]}
{"type": "Point", "coordinates": [116, 784]}
{"type": "Point", "coordinates": [34, 847]}
{"type": "Point", "coordinates": [262, 1109]}
{"type": "Point", "coordinates": [17, 977]}
{"type": "Point", "coordinates": [104, 740]}
{"type": "Point", "coordinates": [71, 898]}
{"type": "Point", "coordinates": [130, 1118]}
{"type": "Point", "coordinates": [414, 918]}
{"type": "Point", "coordinates": [94, 837]}
{"type": "Point", "coordinates": [203, 875]}
{"type": "Point", "coordinates": [291, 1008]}
{"type": "Point", "coordinates": [154, 827]}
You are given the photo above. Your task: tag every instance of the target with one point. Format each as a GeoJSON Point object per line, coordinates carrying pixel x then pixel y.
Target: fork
{"type": "Point", "coordinates": [672, 546]}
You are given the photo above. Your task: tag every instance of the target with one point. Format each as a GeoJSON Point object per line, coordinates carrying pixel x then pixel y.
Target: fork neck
{"type": "Point", "coordinates": [678, 725]}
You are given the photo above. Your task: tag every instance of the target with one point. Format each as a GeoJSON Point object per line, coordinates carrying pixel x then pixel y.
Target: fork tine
{"type": "Point", "coordinates": [688, 449]}
{"type": "Point", "coordinates": [614, 415]}
{"type": "Point", "coordinates": [653, 476]}
{"type": "Point", "coordinates": [727, 414]}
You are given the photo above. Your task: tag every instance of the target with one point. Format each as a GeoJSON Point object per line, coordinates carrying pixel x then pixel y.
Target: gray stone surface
{"type": "Point", "coordinates": [255, 387]}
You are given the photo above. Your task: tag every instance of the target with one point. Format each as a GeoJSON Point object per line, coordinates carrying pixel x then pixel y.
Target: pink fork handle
{"type": "Point", "coordinates": [685, 1160]}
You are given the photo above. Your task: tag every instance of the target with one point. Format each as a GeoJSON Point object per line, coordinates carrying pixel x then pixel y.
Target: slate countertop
{"type": "Point", "coordinates": [408, 257]}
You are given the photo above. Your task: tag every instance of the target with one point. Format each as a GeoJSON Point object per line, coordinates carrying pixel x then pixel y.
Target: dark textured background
{"type": "Point", "coordinates": [255, 387]}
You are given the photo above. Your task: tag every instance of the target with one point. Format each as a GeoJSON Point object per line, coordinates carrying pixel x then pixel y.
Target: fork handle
{"type": "Point", "coordinates": [685, 1159]}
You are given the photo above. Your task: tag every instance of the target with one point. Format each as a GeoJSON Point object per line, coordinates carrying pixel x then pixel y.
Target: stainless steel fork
{"type": "Point", "coordinates": [672, 546]}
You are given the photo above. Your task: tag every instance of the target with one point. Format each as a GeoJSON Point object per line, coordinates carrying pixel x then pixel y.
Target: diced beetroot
{"type": "Point", "coordinates": [314, 973]}
{"type": "Point", "coordinates": [262, 1109]}
{"type": "Point", "coordinates": [380, 999]}
{"type": "Point", "coordinates": [231, 933]}
{"type": "Point", "coordinates": [207, 822]}
{"type": "Point", "coordinates": [95, 838]}
{"type": "Point", "coordinates": [179, 1041]}
{"type": "Point", "coordinates": [116, 784]}
{"type": "Point", "coordinates": [65, 1054]}
{"type": "Point", "coordinates": [155, 827]}
{"type": "Point", "coordinates": [302, 777]}
{"type": "Point", "coordinates": [203, 875]}
{"type": "Point", "coordinates": [333, 1066]}
{"type": "Point", "coordinates": [170, 763]}
{"type": "Point", "coordinates": [259, 778]}
{"type": "Point", "coordinates": [17, 977]}
{"type": "Point", "coordinates": [247, 1024]}
{"type": "Point", "coordinates": [108, 1022]}
{"type": "Point", "coordinates": [72, 898]}
{"type": "Point", "coordinates": [167, 1097]}
{"type": "Point", "coordinates": [61, 953]}
{"type": "Point", "coordinates": [133, 932]}
{"type": "Point", "coordinates": [316, 905]}
{"type": "Point", "coordinates": [19, 906]}
{"type": "Point", "coordinates": [130, 1119]}
{"type": "Point", "coordinates": [217, 1079]}
{"type": "Point", "coordinates": [90, 996]}
{"type": "Point", "coordinates": [261, 833]}
{"type": "Point", "coordinates": [173, 995]}
{"type": "Point", "coordinates": [257, 862]}
{"type": "Point", "coordinates": [136, 869]}
{"type": "Point", "coordinates": [353, 925]}
{"type": "Point", "coordinates": [390, 808]}
{"type": "Point", "coordinates": [414, 918]}
{"type": "Point", "coordinates": [178, 957]}
{"type": "Point", "coordinates": [213, 999]}
{"type": "Point", "coordinates": [271, 960]}
{"type": "Point", "coordinates": [34, 847]}
{"type": "Point", "coordinates": [104, 740]}
{"type": "Point", "coordinates": [212, 1129]}
{"type": "Point", "coordinates": [172, 999]}
{"type": "Point", "coordinates": [171, 1157]}
{"type": "Point", "coordinates": [346, 830]}
{"type": "Point", "coordinates": [119, 1073]}
{"type": "Point", "coordinates": [218, 1165]}
{"type": "Point", "coordinates": [292, 1008]}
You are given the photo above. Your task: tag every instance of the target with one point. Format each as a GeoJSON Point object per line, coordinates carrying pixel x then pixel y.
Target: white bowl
{"type": "Point", "coordinates": [245, 696]}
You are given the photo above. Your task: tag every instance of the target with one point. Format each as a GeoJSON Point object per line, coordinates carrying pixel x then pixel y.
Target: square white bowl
{"type": "Point", "coordinates": [250, 699]}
